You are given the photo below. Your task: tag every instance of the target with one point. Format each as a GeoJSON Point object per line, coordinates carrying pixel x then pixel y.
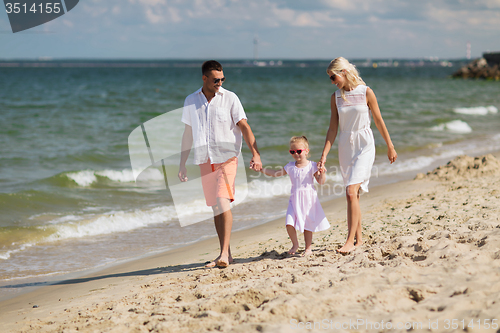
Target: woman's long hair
{"type": "Point", "coordinates": [340, 64]}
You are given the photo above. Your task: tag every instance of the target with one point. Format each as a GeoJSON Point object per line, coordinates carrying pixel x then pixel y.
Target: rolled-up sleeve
{"type": "Point", "coordinates": [237, 111]}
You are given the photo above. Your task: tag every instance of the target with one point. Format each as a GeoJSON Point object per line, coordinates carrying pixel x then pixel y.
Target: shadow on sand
{"type": "Point", "coordinates": [152, 271]}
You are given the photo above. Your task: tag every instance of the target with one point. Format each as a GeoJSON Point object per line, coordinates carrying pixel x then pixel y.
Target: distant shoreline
{"type": "Point", "coordinates": [144, 63]}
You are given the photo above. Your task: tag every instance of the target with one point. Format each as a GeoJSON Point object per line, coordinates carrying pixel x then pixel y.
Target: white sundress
{"type": "Point", "coordinates": [304, 209]}
{"type": "Point", "coordinates": [356, 142]}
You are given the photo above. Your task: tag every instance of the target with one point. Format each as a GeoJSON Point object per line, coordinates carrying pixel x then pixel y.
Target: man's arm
{"type": "Point", "coordinates": [255, 162]}
{"type": "Point", "coordinates": [187, 143]}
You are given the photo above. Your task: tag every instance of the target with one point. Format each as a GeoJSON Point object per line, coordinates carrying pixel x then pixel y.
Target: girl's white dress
{"type": "Point", "coordinates": [356, 142]}
{"type": "Point", "coordinates": [304, 209]}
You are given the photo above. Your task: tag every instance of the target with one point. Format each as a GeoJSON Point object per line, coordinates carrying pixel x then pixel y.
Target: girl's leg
{"type": "Point", "coordinates": [293, 237]}
{"type": "Point", "coordinates": [353, 218]}
{"type": "Point", "coordinates": [308, 237]}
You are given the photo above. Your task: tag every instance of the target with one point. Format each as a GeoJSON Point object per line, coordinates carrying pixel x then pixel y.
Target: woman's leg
{"type": "Point", "coordinates": [359, 230]}
{"type": "Point", "coordinates": [293, 237]}
{"type": "Point", "coordinates": [353, 218]}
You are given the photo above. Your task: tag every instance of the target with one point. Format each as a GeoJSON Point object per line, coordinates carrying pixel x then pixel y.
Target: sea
{"type": "Point", "coordinates": [89, 150]}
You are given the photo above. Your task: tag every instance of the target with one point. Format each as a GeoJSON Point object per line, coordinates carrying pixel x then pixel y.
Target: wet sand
{"type": "Point", "coordinates": [431, 260]}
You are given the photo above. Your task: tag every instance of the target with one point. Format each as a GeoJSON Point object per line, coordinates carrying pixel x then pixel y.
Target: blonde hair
{"type": "Point", "coordinates": [302, 139]}
{"type": "Point", "coordinates": [341, 64]}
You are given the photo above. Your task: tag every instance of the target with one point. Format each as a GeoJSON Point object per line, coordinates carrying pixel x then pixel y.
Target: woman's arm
{"type": "Point", "coordinates": [273, 173]}
{"type": "Point", "coordinates": [332, 132]}
{"type": "Point", "coordinates": [371, 100]}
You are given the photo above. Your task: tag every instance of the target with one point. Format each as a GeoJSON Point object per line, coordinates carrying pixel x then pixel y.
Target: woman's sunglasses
{"type": "Point", "coordinates": [298, 151]}
{"type": "Point", "coordinates": [333, 77]}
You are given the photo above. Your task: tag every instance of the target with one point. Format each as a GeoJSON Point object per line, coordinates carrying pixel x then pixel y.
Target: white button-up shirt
{"type": "Point", "coordinates": [215, 133]}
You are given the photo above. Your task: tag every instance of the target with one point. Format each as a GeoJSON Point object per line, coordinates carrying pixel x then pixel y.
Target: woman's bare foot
{"type": "Point", "coordinates": [216, 262]}
{"type": "Point", "coordinates": [222, 263]}
{"type": "Point", "coordinates": [307, 252]}
{"type": "Point", "coordinates": [293, 250]}
{"type": "Point", "coordinates": [347, 248]}
{"type": "Point", "coordinates": [358, 244]}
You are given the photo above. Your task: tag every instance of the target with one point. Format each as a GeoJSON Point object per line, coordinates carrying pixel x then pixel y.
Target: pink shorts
{"type": "Point", "coordinates": [218, 180]}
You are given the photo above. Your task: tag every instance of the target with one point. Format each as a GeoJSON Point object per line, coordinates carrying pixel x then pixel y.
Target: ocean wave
{"type": "Point", "coordinates": [6, 255]}
{"type": "Point", "coordinates": [479, 110]}
{"type": "Point", "coordinates": [87, 178]}
{"type": "Point", "coordinates": [455, 126]}
{"type": "Point", "coordinates": [113, 223]}
{"type": "Point", "coordinates": [71, 226]}
{"type": "Point", "coordinates": [412, 164]}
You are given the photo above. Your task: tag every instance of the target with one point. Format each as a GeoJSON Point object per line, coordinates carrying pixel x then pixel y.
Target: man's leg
{"type": "Point", "coordinates": [224, 225]}
{"type": "Point", "coordinates": [223, 219]}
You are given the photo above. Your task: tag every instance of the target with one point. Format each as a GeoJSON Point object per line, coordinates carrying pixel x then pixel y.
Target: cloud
{"type": "Point", "coordinates": [321, 28]}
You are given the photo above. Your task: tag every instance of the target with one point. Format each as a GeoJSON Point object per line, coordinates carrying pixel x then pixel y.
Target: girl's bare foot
{"type": "Point", "coordinates": [307, 252]}
{"type": "Point", "coordinates": [293, 250]}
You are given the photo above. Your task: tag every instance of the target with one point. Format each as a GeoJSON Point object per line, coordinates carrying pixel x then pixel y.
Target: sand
{"type": "Point", "coordinates": [430, 262]}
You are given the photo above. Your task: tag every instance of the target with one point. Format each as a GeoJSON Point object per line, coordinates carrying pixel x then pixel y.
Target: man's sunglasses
{"type": "Point", "coordinates": [219, 80]}
{"type": "Point", "coordinates": [298, 151]}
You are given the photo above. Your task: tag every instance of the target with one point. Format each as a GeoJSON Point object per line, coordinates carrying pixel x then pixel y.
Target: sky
{"type": "Point", "coordinates": [284, 29]}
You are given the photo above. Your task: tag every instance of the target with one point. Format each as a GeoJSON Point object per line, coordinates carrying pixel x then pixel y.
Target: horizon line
{"type": "Point", "coordinates": [51, 59]}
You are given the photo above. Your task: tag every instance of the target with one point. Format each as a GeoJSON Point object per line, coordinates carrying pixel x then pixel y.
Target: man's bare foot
{"type": "Point", "coordinates": [307, 252]}
{"type": "Point", "coordinates": [293, 250]}
{"type": "Point", "coordinates": [214, 263]}
{"type": "Point", "coordinates": [347, 248]}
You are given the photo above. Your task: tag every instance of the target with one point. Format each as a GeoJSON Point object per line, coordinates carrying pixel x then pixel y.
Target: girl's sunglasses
{"type": "Point", "coordinates": [298, 151]}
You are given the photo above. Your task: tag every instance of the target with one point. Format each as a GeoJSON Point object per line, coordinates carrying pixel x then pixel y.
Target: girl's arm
{"type": "Point", "coordinates": [379, 122]}
{"type": "Point", "coordinates": [320, 176]}
{"type": "Point", "coordinates": [332, 132]}
{"type": "Point", "coordinates": [273, 173]}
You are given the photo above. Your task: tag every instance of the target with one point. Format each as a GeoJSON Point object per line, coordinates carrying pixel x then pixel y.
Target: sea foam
{"type": "Point", "coordinates": [455, 126]}
{"type": "Point", "coordinates": [479, 110]}
{"type": "Point", "coordinates": [86, 178]}
{"type": "Point", "coordinates": [112, 223]}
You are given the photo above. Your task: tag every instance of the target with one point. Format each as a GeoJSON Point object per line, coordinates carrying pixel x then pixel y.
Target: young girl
{"type": "Point", "coordinates": [351, 107]}
{"type": "Point", "coordinates": [304, 210]}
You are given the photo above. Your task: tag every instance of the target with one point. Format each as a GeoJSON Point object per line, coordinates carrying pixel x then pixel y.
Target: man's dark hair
{"type": "Point", "coordinates": [210, 65]}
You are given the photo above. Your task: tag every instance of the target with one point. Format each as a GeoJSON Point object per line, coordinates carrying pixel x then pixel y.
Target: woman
{"type": "Point", "coordinates": [350, 107]}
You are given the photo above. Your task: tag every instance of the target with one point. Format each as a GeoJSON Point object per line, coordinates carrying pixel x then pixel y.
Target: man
{"type": "Point", "coordinates": [215, 122]}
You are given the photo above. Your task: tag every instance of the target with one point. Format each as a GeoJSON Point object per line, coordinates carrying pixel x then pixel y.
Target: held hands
{"type": "Point", "coordinates": [321, 165]}
{"type": "Point", "coordinates": [255, 163]}
{"type": "Point", "coordinates": [391, 154]}
{"type": "Point", "coordinates": [320, 175]}
{"type": "Point", "coordinates": [321, 170]}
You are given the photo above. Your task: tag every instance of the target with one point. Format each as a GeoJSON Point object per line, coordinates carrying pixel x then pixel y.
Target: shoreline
{"type": "Point", "coordinates": [392, 258]}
